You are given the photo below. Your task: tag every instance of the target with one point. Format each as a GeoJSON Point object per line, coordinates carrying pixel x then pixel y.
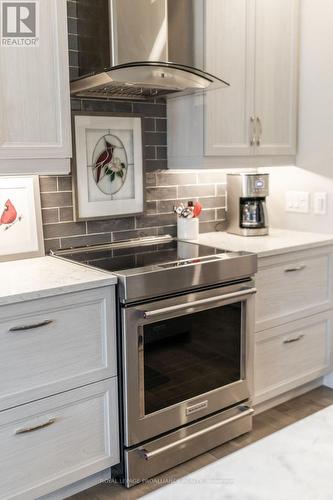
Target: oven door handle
{"type": "Point", "coordinates": [201, 302]}
{"type": "Point", "coordinates": [148, 455]}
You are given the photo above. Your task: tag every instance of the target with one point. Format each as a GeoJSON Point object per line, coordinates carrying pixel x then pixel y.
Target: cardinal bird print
{"type": "Point", "coordinates": [109, 164]}
{"type": "Point", "coordinates": [9, 216]}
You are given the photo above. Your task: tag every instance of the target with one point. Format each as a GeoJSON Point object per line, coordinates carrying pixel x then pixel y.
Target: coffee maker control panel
{"type": "Point", "coordinates": [254, 186]}
{"type": "Point", "coordinates": [259, 184]}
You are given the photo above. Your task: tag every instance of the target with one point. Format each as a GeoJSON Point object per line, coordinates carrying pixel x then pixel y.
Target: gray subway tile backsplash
{"type": "Point", "coordinates": [63, 229]}
{"type": "Point", "coordinates": [156, 220]}
{"type": "Point", "coordinates": [161, 193]}
{"type": "Point", "coordinates": [196, 190]}
{"type": "Point", "coordinates": [66, 214]}
{"type": "Point", "coordinates": [163, 190]}
{"type": "Point", "coordinates": [174, 178]}
{"type": "Point", "coordinates": [50, 215]}
{"type": "Point", "coordinates": [110, 225]}
{"type": "Point", "coordinates": [48, 184]}
{"type": "Point", "coordinates": [56, 200]}
{"type": "Point", "coordinates": [64, 183]}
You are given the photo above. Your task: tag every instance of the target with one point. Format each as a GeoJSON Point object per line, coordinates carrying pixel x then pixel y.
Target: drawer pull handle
{"type": "Point", "coordinates": [30, 327]}
{"type": "Point", "coordinates": [294, 269]}
{"type": "Point", "coordinates": [25, 430]}
{"type": "Point", "coordinates": [296, 339]}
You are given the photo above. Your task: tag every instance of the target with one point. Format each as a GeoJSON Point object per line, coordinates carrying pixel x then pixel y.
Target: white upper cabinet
{"type": "Point", "coordinates": [253, 45]}
{"type": "Point", "coordinates": [35, 123]}
{"type": "Point", "coordinates": [229, 54]}
{"type": "Point", "coordinates": [276, 75]}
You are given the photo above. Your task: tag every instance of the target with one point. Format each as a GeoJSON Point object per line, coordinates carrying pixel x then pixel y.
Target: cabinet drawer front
{"type": "Point", "coordinates": [59, 440]}
{"type": "Point", "coordinates": [289, 290]}
{"type": "Point", "coordinates": [292, 355]}
{"type": "Point", "coordinates": [55, 344]}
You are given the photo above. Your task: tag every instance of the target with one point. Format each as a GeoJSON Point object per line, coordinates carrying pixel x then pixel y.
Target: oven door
{"type": "Point", "coordinates": [185, 358]}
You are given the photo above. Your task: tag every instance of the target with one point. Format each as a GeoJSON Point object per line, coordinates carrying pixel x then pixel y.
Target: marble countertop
{"type": "Point", "coordinates": [30, 279]}
{"type": "Point", "coordinates": [294, 463]}
{"type": "Point", "coordinates": [279, 241]}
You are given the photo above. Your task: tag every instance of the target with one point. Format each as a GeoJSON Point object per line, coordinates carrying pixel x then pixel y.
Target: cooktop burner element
{"type": "Point", "coordinates": [155, 266]}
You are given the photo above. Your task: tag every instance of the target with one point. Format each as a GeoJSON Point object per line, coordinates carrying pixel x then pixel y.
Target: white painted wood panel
{"type": "Point", "coordinates": [229, 49]}
{"type": "Point", "coordinates": [252, 44]}
{"type": "Point", "coordinates": [77, 348]}
{"type": "Point", "coordinates": [291, 355]}
{"type": "Point", "coordinates": [82, 440]}
{"type": "Point", "coordinates": [293, 287]}
{"type": "Point", "coordinates": [34, 97]}
{"type": "Point", "coordinates": [276, 75]}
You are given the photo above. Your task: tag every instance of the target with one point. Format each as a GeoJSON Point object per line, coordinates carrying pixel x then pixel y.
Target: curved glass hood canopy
{"type": "Point", "coordinates": [125, 47]}
{"type": "Point", "coordinates": [145, 80]}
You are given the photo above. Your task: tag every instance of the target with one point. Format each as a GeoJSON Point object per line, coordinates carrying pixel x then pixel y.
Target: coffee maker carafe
{"type": "Point", "coordinates": [246, 204]}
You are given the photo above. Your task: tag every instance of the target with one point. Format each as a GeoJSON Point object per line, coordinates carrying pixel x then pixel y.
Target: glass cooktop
{"type": "Point", "coordinates": [164, 252]}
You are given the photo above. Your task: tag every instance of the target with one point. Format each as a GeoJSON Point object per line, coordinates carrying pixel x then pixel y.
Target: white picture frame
{"type": "Point", "coordinates": [21, 230]}
{"type": "Point", "coordinates": [99, 191]}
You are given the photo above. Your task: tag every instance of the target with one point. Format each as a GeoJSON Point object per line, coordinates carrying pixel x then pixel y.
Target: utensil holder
{"type": "Point", "coordinates": [187, 229]}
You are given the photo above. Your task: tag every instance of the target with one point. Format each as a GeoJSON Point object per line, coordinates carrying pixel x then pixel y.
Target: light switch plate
{"type": "Point", "coordinates": [320, 203]}
{"type": "Point", "coordinates": [298, 201]}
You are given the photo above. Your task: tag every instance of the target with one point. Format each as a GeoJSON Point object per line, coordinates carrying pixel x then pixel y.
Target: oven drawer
{"type": "Point", "coordinates": [291, 355]}
{"type": "Point", "coordinates": [183, 444]}
{"type": "Point", "coordinates": [51, 443]}
{"type": "Point", "coordinates": [291, 287]}
{"type": "Point", "coordinates": [55, 344]}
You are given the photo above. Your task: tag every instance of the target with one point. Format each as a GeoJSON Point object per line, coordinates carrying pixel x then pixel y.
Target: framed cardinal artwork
{"type": "Point", "coordinates": [21, 234]}
{"type": "Point", "coordinates": [108, 166]}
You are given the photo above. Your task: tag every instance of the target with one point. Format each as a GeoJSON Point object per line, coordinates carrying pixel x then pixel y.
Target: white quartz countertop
{"type": "Point", "coordinates": [294, 463]}
{"type": "Point", "coordinates": [29, 279]}
{"type": "Point", "coordinates": [279, 241]}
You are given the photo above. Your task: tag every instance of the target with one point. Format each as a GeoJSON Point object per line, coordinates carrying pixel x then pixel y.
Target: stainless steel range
{"type": "Point", "coordinates": [186, 315]}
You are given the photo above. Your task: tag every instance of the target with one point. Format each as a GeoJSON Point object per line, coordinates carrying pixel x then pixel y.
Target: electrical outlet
{"type": "Point", "coordinates": [298, 201]}
{"type": "Point", "coordinates": [320, 203]}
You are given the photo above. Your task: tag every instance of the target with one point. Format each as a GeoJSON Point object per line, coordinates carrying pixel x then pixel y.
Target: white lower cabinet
{"type": "Point", "coordinates": [293, 286]}
{"type": "Point", "coordinates": [58, 392]}
{"type": "Point", "coordinates": [294, 323]}
{"type": "Point", "coordinates": [59, 440]}
{"type": "Point", "coordinates": [289, 356]}
{"type": "Point", "coordinates": [55, 344]}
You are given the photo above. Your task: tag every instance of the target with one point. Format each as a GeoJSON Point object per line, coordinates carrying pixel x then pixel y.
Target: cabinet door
{"type": "Point", "coordinates": [229, 51]}
{"type": "Point", "coordinates": [276, 74]}
{"type": "Point", "coordinates": [34, 98]}
{"type": "Point", "coordinates": [54, 442]}
{"type": "Point", "coordinates": [291, 355]}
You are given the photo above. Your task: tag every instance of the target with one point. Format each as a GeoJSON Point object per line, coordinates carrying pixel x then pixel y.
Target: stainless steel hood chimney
{"type": "Point", "coordinates": [125, 49]}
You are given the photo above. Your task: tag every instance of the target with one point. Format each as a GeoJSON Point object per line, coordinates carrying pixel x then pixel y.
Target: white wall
{"type": "Point", "coordinates": [315, 156]}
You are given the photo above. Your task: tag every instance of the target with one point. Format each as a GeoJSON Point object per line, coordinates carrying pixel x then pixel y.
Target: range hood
{"type": "Point", "coordinates": [125, 48]}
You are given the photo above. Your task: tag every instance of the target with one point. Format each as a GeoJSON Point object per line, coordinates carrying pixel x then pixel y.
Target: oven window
{"type": "Point", "coordinates": [190, 355]}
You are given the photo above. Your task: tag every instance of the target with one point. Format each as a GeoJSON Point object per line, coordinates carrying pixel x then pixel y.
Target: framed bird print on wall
{"type": "Point", "coordinates": [107, 168]}
{"type": "Point", "coordinates": [21, 233]}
